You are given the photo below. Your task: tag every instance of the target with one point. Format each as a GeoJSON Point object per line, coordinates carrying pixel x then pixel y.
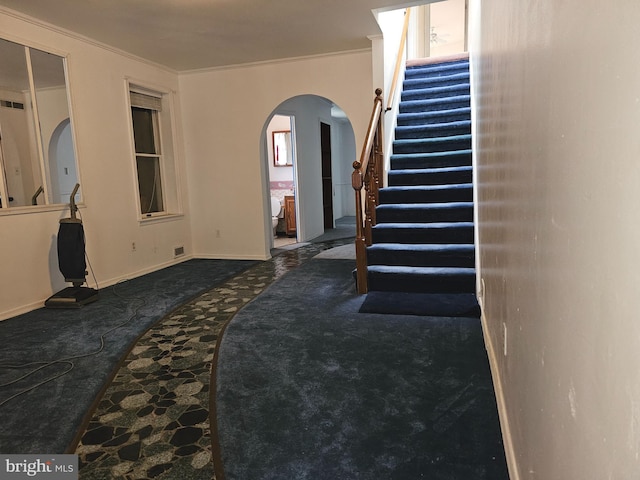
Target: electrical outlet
{"type": "Point", "coordinates": [133, 246]}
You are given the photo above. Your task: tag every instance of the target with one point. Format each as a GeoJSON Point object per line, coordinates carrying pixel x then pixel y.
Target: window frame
{"type": "Point", "coordinates": [157, 163]}
{"type": "Point", "coordinates": [40, 159]}
{"type": "Point", "coordinates": [163, 127]}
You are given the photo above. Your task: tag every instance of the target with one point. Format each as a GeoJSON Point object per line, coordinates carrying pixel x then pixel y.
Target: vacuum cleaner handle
{"type": "Point", "coordinates": [73, 207]}
{"type": "Point", "coordinates": [72, 201]}
{"type": "Point", "coordinates": [34, 198]}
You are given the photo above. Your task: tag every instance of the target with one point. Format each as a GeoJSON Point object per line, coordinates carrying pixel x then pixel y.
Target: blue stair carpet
{"type": "Point", "coordinates": [422, 260]}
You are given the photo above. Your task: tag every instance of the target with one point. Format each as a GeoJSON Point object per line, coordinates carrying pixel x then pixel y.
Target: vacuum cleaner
{"type": "Point", "coordinates": [72, 263]}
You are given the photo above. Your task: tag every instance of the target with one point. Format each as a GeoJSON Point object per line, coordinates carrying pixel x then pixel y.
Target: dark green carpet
{"type": "Point", "coordinates": [46, 418]}
{"type": "Point", "coordinates": [308, 388]}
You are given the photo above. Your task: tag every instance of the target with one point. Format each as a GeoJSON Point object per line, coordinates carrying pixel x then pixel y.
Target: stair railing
{"type": "Point", "coordinates": [368, 171]}
{"type": "Point", "coordinates": [401, 49]}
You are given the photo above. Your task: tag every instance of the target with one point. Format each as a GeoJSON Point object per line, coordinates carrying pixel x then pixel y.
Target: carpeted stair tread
{"type": "Point", "coordinates": [426, 194]}
{"type": "Point", "coordinates": [424, 304]}
{"type": "Point", "coordinates": [430, 176]}
{"type": "Point", "coordinates": [458, 158]}
{"type": "Point", "coordinates": [435, 116]}
{"type": "Point", "coordinates": [437, 91]}
{"type": "Point", "coordinates": [425, 212]}
{"type": "Point", "coordinates": [421, 279]}
{"type": "Point", "coordinates": [446, 129]}
{"type": "Point", "coordinates": [437, 70]}
{"type": "Point", "coordinates": [417, 83]}
{"type": "Point", "coordinates": [416, 233]}
{"type": "Point", "coordinates": [422, 255]}
{"type": "Point", "coordinates": [432, 145]}
{"type": "Point", "coordinates": [466, 272]}
{"type": "Point", "coordinates": [434, 105]}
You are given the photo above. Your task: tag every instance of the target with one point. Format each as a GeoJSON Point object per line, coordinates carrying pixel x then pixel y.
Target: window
{"type": "Point", "coordinates": [153, 145]}
{"type": "Point", "coordinates": [37, 152]}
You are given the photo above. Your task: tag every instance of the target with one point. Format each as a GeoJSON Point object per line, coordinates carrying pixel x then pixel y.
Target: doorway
{"type": "Point", "coordinates": [327, 180]}
{"type": "Point", "coordinates": [305, 114]}
{"type": "Point", "coordinates": [281, 153]}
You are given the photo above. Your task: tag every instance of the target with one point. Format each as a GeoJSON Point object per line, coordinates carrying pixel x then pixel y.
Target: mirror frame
{"type": "Point", "coordinates": [280, 159]}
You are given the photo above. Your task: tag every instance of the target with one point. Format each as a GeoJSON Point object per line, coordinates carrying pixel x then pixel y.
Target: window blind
{"type": "Point", "coordinates": [142, 100]}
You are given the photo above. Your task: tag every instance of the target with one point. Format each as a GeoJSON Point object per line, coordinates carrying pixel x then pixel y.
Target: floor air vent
{"type": "Point", "coordinates": [178, 251]}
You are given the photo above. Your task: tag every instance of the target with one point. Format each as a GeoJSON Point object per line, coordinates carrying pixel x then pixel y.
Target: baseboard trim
{"type": "Point", "coordinates": [232, 257]}
{"type": "Point", "coordinates": [507, 439]}
{"type": "Point", "coordinates": [20, 310]}
{"type": "Point", "coordinates": [131, 275]}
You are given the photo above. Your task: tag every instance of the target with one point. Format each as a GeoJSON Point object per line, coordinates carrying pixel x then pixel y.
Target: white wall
{"type": "Point", "coordinates": [225, 113]}
{"type": "Point", "coordinates": [556, 86]}
{"type": "Point", "coordinates": [391, 24]}
{"type": "Point", "coordinates": [99, 100]}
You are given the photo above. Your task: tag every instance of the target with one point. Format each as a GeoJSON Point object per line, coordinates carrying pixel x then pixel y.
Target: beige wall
{"type": "Point", "coordinates": [556, 86]}
{"type": "Point", "coordinates": [225, 113]}
{"type": "Point", "coordinates": [27, 243]}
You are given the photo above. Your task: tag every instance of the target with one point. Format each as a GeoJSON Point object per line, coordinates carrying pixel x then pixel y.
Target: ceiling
{"type": "Point", "coordinates": [198, 34]}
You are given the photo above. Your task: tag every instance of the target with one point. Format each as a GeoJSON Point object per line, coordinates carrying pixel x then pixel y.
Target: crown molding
{"type": "Point", "coordinates": [275, 61]}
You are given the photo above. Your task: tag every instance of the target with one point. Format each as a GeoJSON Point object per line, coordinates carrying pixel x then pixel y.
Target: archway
{"type": "Point", "coordinates": [306, 114]}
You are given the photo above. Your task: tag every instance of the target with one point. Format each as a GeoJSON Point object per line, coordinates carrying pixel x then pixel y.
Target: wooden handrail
{"type": "Point", "coordinates": [367, 173]}
{"type": "Point", "coordinates": [399, 57]}
{"type": "Point", "coordinates": [371, 131]}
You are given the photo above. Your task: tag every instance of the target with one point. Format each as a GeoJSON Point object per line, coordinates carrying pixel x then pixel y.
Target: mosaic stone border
{"type": "Point", "coordinates": [152, 421]}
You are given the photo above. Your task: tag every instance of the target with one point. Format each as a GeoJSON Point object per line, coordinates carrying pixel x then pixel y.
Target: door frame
{"type": "Point", "coordinates": [267, 166]}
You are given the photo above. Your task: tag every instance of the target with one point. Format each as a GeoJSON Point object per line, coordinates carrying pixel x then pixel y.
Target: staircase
{"type": "Point", "coordinates": [421, 260]}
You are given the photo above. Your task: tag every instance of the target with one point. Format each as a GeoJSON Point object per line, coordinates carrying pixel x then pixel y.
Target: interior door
{"type": "Point", "coordinates": [327, 182]}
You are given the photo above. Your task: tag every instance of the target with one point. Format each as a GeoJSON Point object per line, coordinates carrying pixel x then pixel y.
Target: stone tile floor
{"type": "Point", "coordinates": [153, 419]}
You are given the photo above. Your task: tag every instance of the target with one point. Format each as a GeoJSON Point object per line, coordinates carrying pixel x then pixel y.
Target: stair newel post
{"type": "Point", "coordinates": [367, 174]}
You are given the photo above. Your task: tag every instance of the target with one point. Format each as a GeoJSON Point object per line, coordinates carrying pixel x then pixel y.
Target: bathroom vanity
{"type": "Point", "coordinates": [290, 215]}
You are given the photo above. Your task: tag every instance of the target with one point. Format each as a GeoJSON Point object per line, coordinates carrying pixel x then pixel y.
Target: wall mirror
{"type": "Point", "coordinates": [37, 153]}
{"type": "Point", "coordinates": [282, 148]}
